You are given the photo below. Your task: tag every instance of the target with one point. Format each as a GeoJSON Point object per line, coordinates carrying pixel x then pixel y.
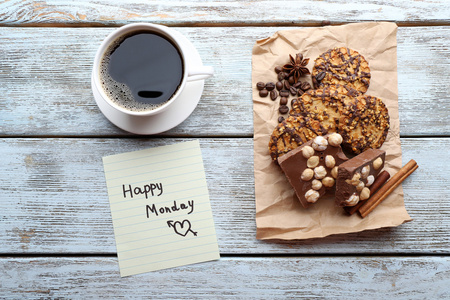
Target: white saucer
{"type": "Point", "coordinates": [178, 111]}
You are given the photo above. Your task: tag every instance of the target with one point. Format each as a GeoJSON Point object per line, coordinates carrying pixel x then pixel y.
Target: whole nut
{"type": "Point", "coordinates": [316, 184]}
{"type": "Point", "coordinates": [365, 194]}
{"type": "Point", "coordinates": [319, 143]}
{"type": "Point", "coordinates": [370, 180]}
{"type": "Point", "coordinates": [377, 163]}
{"type": "Point", "coordinates": [334, 172]}
{"type": "Point", "coordinates": [307, 175]}
{"type": "Point", "coordinates": [328, 182]}
{"type": "Point", "coordinates": [360, 186]}
{"type": "Point", "coordinates": [320, 172]}
{"type": "Point", "coordinates": [330, 162]}
{"type": "Point", "coordinates": [313, 161]}
{"type": "Point", "coordinates": [312, 196]}
{"type": "Point", "coordinates": [352, 200]}
{"type": "Point", "coordinates": [355, 179]}
{"type": "Point", "coordinates": [365, 171]}
{"type": "Point", "coordinates": [307, 151]}
{"type": "Point", "coordinates": [335, 139]}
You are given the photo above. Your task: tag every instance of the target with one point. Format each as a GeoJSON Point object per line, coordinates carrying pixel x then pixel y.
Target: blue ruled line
{"type": "Point", "coordinates": [152, 155]}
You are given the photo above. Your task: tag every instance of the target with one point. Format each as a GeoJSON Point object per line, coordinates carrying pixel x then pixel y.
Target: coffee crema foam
{"type": "Point", "coordinates": [119, 93]}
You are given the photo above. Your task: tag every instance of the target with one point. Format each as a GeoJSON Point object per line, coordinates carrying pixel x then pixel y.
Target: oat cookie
{"type": "Point", "coordinates": [343, 66]}
{"type": "Point", "coordinates": [325, 105]}
{"type": "Point", "coordinates": [364, 124]}
{"type": "Point", "coordinates": [291, 133]}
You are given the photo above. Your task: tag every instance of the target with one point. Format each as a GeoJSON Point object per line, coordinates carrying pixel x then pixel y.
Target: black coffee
{"type": "Point", "coordinates": [141, 71]}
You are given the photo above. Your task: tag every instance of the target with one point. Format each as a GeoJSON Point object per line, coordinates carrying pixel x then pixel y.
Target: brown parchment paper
{"type": "Point", "coordinates": [279, 214]}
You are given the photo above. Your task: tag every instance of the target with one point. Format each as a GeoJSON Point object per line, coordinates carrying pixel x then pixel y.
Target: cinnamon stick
{"type": "Point", "coordinates": [379, 181]}
{"type": "Point", "coordinates": [391, 185]}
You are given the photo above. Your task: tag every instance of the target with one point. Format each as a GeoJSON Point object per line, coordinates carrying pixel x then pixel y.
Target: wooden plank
{"type": "Point", "coordinates": [244, 278]}
{"type": "Point", "coordinates": [46, 91]}
{"type": "Point", "coordinates": [53, 199]}
{"type": "Point", "coordinates": [199, 13]}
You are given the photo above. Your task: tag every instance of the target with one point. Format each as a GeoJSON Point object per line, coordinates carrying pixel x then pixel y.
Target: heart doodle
{"type": "Point", "coordinates": [181, 228]}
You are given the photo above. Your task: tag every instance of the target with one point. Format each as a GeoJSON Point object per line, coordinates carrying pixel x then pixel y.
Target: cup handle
{"type": "Point", "coordinates": [200, 73]}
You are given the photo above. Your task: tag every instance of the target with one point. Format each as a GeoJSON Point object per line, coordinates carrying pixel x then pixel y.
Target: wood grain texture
{"type": "Point", "coordinates": [45, 82]}
{"type": "Point", "coordinates": [214, 13]}
{"type": "Point", "coordinates": [53, 199]}
{"type": "Point", "coordinates": [231, 278]}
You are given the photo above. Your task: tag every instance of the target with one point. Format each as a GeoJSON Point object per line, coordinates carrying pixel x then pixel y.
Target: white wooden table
{"type": "Point", "coordinates": [56, 232]}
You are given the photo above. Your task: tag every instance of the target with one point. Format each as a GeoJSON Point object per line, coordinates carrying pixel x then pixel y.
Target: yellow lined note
{"type": "Point", "coordinates": [160, 208]}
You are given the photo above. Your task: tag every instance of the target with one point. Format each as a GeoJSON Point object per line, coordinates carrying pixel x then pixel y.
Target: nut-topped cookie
{"type": "Point", "coordinates": [343, 66]}
{"type": "Point", "coordinates": [325, 105]}
{"type": "Point", "coordinates": [312, 168]}
{"type": "Point", "coordinates": [291, 133]}
{"type": "Point", "coordinates": [364, 124]}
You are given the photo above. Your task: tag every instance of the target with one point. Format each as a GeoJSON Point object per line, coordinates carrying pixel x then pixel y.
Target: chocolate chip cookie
{"type": "Point", "coordinates": [291, 133]}
{"type": "Point", "coordinates": [325, 105]}
{"type": "Point", "coordinates": [364, 124]}
{"type": "Point", "coordinates": [343, 66]}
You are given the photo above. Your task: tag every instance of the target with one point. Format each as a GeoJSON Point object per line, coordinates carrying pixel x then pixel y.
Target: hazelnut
{"type": "Point", "coordinates": [370, 180]}
{"type": "Point", "coordinates": [313, 161]}
{"type": "Point", "coordinates": [355, 179]}
{"type": "Point", "coordinates": [335, 139]}
{"type": "Point", "coordinates": [365, 171]}
{"type": "Point", "coordinates": [365, 194]}
{"type": "Point", "coordinates": [352, 200]}
{"type": "Point", "coordinates": [328, 182]}
{"type": "Point", "coordinates": [334, 172]}
{"type": "Point", "coordinates": [307, 151]}
{"type": "Point", "coordinates": [330, 161]}
{"type": "Point", "coordinates": [319, 143]}
{"type": "Point", "coordinates": [312, 196]}
{"type": "Point", "coordinates": [307, 174]}
{"type": "Point", "coordinates": [316, 184]}
{"type": "Point", "coordinates": [360, 186]}
{"type": "Point", "coordinates": [377, 163]}
{"type": "Point", "coordinates": [320, 172]}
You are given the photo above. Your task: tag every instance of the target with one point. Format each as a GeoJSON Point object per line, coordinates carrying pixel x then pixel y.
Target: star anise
{"type": "Point", "coordinates": [296, 67]}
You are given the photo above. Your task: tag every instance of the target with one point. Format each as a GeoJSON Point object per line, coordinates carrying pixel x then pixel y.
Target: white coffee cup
{"type": "Point", "coordinates": [190, 72]}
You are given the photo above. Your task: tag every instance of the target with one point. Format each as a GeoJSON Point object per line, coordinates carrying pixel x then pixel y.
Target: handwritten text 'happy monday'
{"type": "Point", "coordinates": [156, 189]}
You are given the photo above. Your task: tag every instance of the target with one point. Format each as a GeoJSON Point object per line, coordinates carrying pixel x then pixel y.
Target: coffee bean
{"type": "Point", "coordinates": [297, 85]}
{"type": "Point", "coordinates": [291, 80]}
{"type": "Point", "coordinates": [270, 86]}
{"type": "Point", "coordinates": [320, 76]}
{"type": "Point", "coordinates": [283, 101]}
{"type": "Point", "coordinates": [279, 85]}
{"type": "Point", "coordinates": [300, 92]}
{"type": "Point", "coordinates": [260, 85]}
{"type": "Point", "coordinates": [278, 69]}
{"type": "Point", "coordinates": [280, 76]}
{"type": "Point", "coordinates": [263, 93]}
{"type": "Point", "coordinates": [280, 119]}
{"type": "Point", "coordinates": [287, 85]}
{"type": "Point", "coordinates": [305, 86]}
{"type": "Point", "coordinates": [293, 91]}
{"type": "Point", "coordinates": [273, 95]}
{"type": "Point", "coordinates": [284, 109]}
{"type": "Point", "coordinates": [284, 93]}
{"type": "Point", "coordinates": [293, 102]}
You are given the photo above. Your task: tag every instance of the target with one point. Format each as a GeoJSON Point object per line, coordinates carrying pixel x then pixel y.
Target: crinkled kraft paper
{"type": "Point", "coordinates": [279, 214]}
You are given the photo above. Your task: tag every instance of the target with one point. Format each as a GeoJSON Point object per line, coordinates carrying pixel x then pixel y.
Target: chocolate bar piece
{"type": "Point", "coordinates": [311, 168]}
{"type": "Point", "coordinates": [356, 175]}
